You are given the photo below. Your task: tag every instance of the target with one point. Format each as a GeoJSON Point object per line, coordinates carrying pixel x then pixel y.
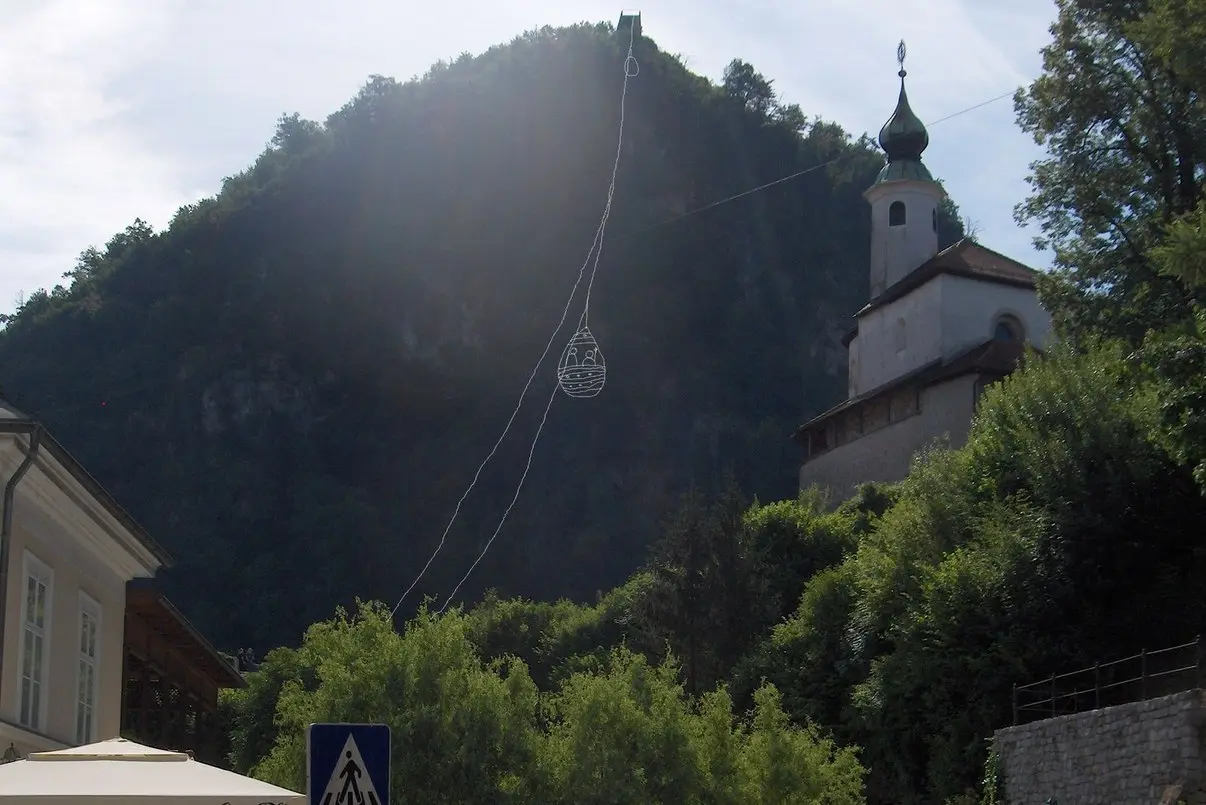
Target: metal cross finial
{"type": "Point", "coordinates": [901, 52]}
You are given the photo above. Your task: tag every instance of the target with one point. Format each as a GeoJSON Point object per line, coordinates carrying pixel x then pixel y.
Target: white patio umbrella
{"type": "Point", "coordinates": [121, 772]}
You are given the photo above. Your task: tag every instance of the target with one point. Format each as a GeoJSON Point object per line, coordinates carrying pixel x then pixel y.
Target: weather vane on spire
{"type": "Point", "coordinates": [901, 52]}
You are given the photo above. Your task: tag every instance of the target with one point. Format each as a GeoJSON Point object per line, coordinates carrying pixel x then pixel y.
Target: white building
{"type": "Point", "coordinates": [67, 550]}
{"type": "Point", "coordinates": [939, 326]}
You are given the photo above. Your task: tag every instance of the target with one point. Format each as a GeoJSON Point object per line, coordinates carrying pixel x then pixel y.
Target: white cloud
{"type": "Point", "coordinates": [115, 109]}
{"type": "Point", "coordinates": [71, 162]}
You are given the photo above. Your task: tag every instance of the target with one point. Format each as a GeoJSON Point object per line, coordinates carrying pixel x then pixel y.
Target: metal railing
{"type": "Point", "coordinates": [1142, 676]}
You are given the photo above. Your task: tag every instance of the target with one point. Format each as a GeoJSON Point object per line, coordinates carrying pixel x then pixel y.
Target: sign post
{"type": "Point", "coordinates": [347, 764]}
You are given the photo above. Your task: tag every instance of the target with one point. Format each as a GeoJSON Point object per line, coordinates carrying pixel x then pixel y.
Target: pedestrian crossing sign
{"type": "Point", "coordinates": [347, 764]}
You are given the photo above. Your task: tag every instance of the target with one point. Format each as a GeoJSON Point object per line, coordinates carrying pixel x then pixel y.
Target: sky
{"type": "Point", "coordinates": [112, 110]}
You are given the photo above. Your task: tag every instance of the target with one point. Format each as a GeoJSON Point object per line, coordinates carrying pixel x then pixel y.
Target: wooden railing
{"type": "Point", "coordinates": [1145, 675]}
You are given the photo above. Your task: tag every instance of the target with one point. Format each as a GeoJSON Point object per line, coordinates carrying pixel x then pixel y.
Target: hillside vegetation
{"type": "Point", "coordinates": [292, 385]}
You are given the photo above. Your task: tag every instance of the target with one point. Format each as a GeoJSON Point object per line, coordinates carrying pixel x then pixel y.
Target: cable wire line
{"type": "Point", "coordinates": [711, 205]}
{"type": "Point", "coordinates": [599, 241]}
{"type": "Point", "coordinates": [631, 70]}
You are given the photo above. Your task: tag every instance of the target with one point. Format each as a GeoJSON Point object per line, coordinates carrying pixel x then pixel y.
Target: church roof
{"type": "Point", "coordinates": [903, 138]}
{"type": "Point", "coordinates": [993, 357]}
{"type": "Point", "coordinates": [964, 258]}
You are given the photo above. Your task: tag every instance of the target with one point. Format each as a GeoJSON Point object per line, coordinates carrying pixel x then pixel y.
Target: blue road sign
{"type": "Point", "coordinates": [347, 764]}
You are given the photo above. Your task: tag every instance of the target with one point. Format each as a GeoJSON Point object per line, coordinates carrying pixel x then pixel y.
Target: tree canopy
{"type": "Point", "coordinates": [470, 729]}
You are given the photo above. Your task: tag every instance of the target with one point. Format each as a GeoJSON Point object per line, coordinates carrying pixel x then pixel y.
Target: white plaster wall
{"type": "Point", "coordinates": [971, 308]}
{"type": "Point", "coordinates": [886, 454]}
{"type": "Point", "coordinates": [943, 318]}
{"type": "Point", "coordinates": [897, 250]}
{"type": "Point", "coordinates": [879, 360]}
{"type": "Point", "coordinates": [75, 568]}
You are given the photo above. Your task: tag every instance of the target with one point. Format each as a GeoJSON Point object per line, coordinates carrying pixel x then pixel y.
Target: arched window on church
{"type": "Point", "coordinates": [896, 214]}
{"type": "Point", "coordinates": [1008, 329]}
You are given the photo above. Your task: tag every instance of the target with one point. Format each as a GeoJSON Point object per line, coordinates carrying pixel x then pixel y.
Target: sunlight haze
{"type": "Point", "coordinates": [117, 109]}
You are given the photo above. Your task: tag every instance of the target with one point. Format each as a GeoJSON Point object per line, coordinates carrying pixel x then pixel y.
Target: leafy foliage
{"type": "Point", "coordinates": [470, 730]}
{"type": "Point", "coordinates": [1118, 108]}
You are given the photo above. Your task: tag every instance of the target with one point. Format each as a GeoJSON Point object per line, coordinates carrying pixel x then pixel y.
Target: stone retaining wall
{"type": "Point", "coordinates": [1144, 753]}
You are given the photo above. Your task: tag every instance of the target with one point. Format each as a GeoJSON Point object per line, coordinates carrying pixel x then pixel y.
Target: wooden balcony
{"type": "Point", "coordinates": [172, 679]}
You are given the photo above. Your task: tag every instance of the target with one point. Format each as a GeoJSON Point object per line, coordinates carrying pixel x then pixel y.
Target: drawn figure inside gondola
{"type": "Point", "coordinates": [582, 371]}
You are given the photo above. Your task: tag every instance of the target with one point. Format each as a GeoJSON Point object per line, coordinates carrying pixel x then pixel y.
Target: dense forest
{"type": "Point", "coordinates": [298, 378]}
{"type": "Point", "coordinates": [790, 651]}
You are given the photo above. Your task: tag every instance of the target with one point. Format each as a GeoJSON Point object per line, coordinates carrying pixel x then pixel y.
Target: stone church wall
{"type": "Point", "coordinates": [886, 454]}
{"type": "Point", "coordinates": [1144, 753]}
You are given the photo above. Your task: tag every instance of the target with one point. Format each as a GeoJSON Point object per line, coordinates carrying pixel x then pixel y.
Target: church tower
{"type": "Point", "coordinates": [904, 198]}
{"type": "Point", "coordinates": [939, 326]}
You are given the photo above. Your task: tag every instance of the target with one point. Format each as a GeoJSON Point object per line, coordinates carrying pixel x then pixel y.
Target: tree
{"type": "Point", "coordinates": [705, 592]}
{"type": "Point", "coordinates": [250, 712]}
{"type": "Point", "coordinates": [462, 730]}
{"type": "Point", "coordinates": [629, 733]}
{"type": "Point", "coordinates": [1126, 139]}
{"type": "Point", "coordinates": [1175, 31]}
{"type": "Point", "coordinates": [755, 91]}
{"type": "Point", "coordinates": [469, 730]}
{"type": "Point", "coordinates": [1176, 354]}
{"type": "Point", "coordinates": [793, 540]}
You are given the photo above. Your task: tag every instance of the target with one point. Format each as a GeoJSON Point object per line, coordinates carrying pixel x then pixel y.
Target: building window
{"type": "Point", "coordinates": [875, 414]}
{"type": "Point", "coordinates": [818, 441]}
{"type": "Point", "coordinates": [1007, 329]}
{"type": "Point", "coordinates": [896, 214]}
{"type": "Point", "coordinates": [852, 425]}
{"type": "Point", "coordinates": [35, 641]}
{"type": "Point", "coordinates": [87, 670]}
{"type": "Point", "coordinates": [905, 403]}
{"type": "Point", "coordinates": [935, 219]}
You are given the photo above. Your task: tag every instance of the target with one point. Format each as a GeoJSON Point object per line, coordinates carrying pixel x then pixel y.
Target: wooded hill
{"type": "Point", "coordinates": [299, 377]}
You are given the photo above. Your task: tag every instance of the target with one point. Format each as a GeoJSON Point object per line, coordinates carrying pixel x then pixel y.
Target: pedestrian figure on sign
{"type": "Point", "coordinates": [351, 771]}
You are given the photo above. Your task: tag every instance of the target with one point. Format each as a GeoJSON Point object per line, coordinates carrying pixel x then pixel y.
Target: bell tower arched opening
{"type": "Point", "coordinates": [897, 214]}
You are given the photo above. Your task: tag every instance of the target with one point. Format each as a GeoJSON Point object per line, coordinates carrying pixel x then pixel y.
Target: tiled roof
{"type": "Point", "coordinates": [965, 258]}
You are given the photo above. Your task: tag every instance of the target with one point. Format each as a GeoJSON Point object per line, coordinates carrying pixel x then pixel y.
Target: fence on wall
{"type": "Point", "coordinates": [1141, 676]}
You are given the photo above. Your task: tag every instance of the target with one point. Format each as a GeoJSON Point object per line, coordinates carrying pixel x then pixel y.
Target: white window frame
{"type": "Point", "coordinates": [85, 732]}
{"type": "Point", "coordinates": [33, 714]}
